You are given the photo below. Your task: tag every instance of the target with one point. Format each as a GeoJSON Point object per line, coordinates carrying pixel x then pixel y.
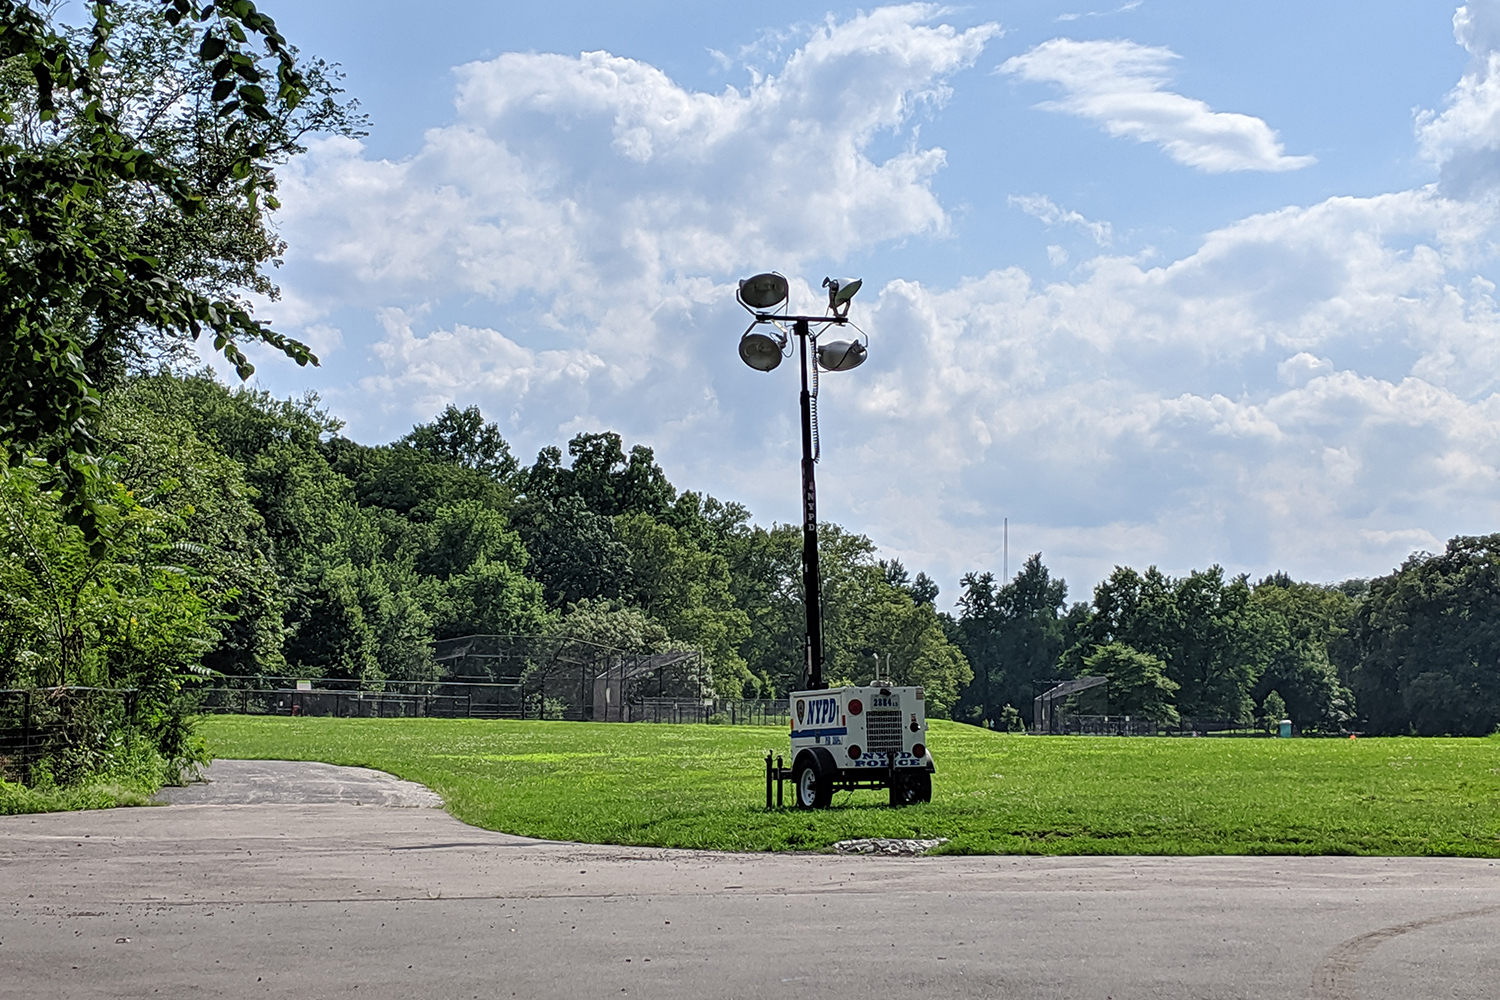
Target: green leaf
{"type": "Point", "coordinates": [211, 49]}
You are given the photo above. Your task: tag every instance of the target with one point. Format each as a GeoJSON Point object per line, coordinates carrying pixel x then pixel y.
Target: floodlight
{"type": "Point", "coordinates": [761, 350]}
{"type": "Point", "coordinates": [840, 355]}
{"type": "Point", "coordinates": [764, 291]}
{"type": "Point", "coordinates": [840, 291]}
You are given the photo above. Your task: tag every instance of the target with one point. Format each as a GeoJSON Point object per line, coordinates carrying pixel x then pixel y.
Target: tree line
{"type": "Point", "coordinates": [1415, 651]}
{"type": "Point", "coordinates": [243, 534]}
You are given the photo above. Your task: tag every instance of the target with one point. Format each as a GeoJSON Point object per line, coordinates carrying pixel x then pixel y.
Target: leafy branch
{"type": "Point", "coordinates": [70, 282]}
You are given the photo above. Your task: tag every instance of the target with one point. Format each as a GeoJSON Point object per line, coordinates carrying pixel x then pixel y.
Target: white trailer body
{"type": "Point", "coordinates": [870, 736]}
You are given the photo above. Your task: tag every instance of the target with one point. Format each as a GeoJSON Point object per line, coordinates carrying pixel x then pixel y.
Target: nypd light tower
{"type": "Point", "coordinates": [851, 737]}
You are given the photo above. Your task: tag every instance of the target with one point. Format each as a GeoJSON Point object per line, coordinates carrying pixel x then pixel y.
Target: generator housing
{"type": "Point", "coordinates": [859, 736]}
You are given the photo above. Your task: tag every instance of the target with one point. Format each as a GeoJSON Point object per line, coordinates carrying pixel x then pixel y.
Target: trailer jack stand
{"type": "Point", "coordinates": [776, 773]}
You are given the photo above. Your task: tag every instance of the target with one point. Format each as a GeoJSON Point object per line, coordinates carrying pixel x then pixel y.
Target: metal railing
{"type": "Point", "coordinates": [60, 725]}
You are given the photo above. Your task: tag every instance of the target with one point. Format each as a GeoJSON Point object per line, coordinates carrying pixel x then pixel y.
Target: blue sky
{"type": "Point", "coordinates": [1161, 282]}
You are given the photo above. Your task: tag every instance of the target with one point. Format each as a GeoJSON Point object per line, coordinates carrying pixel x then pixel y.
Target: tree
{"type": "Point", "coordinates": [1013, 636]}
{"type": "Point", "coordinates": [687, 590]}
{"type": "Point", "coordinates": [923, 590]}
{"type": "Point", "coordinates": [464, 438]}
{"type": "Point", "coordinates": [117, 611]}
{"type": "Point", "coordinates": [96, 614]}
{"type": "Point", "coordinates": [603, 478]}
{"type": "Point", "coordinates": [306, 506]}
{"type": "Point", "coordinates": [1203, 627]}
{"type": "Point", "coordinates": [765, 578]}
{"type": "Point", "coordinates": [575, 552]}
{"type": "Point", "coordinates": [466, 533]}
{"type": "Point", "coordinates": [908, 635]}
{"type": "Point", "coordinates": [1138, 682]}
{"type": "Point", "coordinates": [1273, 709]}
{"type": "Point", "coordinates": [709, 523]}
{"type": "Point", "coordinates": [613, 625]}
{"type": "Point", "coordinates": [156, 452]}
{"type": "Point", "coordinates": [412, 482]}
{"type": "Point", "coordinates": [490, 598]}
{"type": "Point", "coordinates": [1299, 624]}
{"type": "Point", "coordinates": [72, 281]}
{"type": "Point", "coordinates": [160, 92]}
{"type": "Point", "coordinates": [864, 614]}
{"type": "Point", "coordinates": [1426, 643]}
{"type": "Point", "coordinates": [331, 636]}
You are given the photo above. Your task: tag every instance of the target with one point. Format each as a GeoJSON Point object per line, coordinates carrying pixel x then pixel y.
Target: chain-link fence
{"type": "Point", "coordinates": [344, 699]}
{"type": "Point", "coordinates": [1104, 725]}
{"type": "Point", "coordinates": [510, 677]}
{"type": "Point", "coordinates": [722, 711]}
{"type": "Point", "coordinates": [494, 677]}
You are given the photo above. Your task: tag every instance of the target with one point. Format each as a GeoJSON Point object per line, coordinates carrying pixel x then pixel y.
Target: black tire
{"type": "Point", "coordinates": [812, 785]}
{"type": "Point", "coordinates": [909, 788]}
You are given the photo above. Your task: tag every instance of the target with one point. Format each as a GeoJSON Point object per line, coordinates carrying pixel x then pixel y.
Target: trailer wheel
{"type": "Point", "coordinates": [814, 785]}
{"type": "Point", "coordinates": [911, 787]}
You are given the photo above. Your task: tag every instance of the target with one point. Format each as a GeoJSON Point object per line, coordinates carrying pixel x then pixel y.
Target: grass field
{"type": "Point", "coordinates": [703, 787]}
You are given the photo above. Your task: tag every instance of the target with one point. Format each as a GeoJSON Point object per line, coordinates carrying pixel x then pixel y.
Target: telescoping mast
{"type": "Point", "coordinates": [854, 736]}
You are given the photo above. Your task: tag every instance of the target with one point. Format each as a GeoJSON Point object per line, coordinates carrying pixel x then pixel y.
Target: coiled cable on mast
{"type": "Point", "coordinates": [813, 406]}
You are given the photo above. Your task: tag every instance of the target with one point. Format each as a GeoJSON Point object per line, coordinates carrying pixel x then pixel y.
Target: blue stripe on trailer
{"type": "Point", "coordinates": [834, 731]}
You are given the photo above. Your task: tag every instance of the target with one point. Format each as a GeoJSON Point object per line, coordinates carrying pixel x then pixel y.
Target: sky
{"type": "Point", "coordinates": [1161, 283]}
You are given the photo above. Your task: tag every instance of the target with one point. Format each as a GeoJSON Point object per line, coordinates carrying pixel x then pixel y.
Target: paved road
{"type": "Point", "coordinates": [310, 895]}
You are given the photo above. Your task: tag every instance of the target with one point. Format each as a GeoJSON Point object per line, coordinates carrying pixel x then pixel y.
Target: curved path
{"type": "Point", "coordinates": [305, 880]}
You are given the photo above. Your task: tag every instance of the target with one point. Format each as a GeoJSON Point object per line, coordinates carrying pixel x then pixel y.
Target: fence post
{"type": "Point", "coordinates": [26, 736]}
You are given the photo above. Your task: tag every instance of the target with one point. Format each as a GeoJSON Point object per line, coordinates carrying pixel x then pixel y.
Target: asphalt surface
{"type": "Point", "coordinates": [337, 884]}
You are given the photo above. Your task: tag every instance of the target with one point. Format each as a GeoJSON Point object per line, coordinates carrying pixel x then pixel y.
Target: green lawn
{"type": "Point", "coordinates": [703, 787]}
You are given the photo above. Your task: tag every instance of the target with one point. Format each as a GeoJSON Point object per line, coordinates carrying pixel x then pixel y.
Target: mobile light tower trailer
{"type": "Point", "coordinates": [872, 736]}
{"type": "Point", "coordinates": [856, 736]}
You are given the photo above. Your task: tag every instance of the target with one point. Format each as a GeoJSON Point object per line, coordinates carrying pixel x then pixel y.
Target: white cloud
{"type": "Point", "coordinates": [1124, 8]}
{"type": "Point", "coordinates": [1220, 407]}
{"type": "Point", "coordinates": [587, 209]}
{"type": "Point", "coordinates": [1039, 206]}
{"type": "Point", "coordinates": [1119, 85]}
{"type": "Point", "coordinates": [567, 174]}
{"type": "Point", "coordinates": [1464, 139]}
{"type": "Point", "coordinates": [1310, 389]}
{"type": "Point", "coordinates": [1302, 367]}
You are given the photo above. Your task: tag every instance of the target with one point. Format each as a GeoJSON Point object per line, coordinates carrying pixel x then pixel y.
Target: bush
{"type": "Point", "coordinates": [127, 769]}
